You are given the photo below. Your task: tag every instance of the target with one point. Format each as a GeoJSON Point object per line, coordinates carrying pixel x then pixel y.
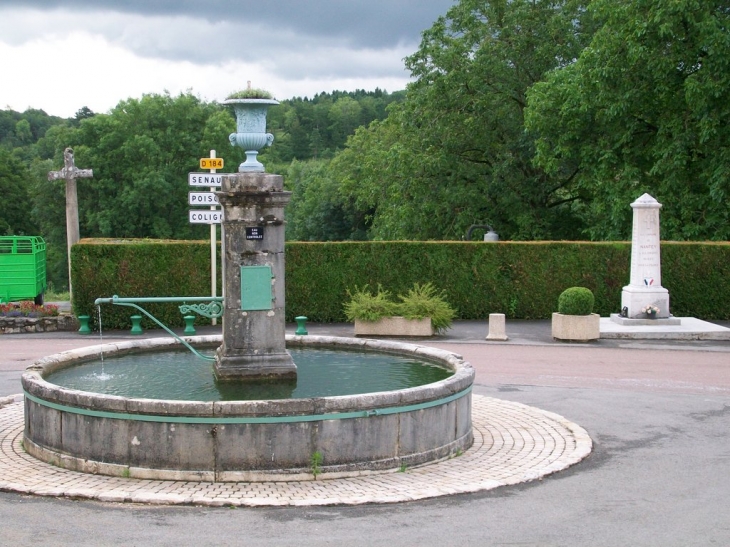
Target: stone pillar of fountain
{"type": "Point", "coordinates": [254, 346]}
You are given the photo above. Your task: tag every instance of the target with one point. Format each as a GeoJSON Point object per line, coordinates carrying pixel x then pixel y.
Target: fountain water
{"type": "Point", "coordinates": [249, 440]}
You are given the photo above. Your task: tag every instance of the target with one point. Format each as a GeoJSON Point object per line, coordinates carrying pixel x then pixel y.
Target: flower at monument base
{"type": "Point", "coordinates": [650, 310]}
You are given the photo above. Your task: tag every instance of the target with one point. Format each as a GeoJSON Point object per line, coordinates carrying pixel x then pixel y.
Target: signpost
{"type": "Point", "coordinates": [214, 215]}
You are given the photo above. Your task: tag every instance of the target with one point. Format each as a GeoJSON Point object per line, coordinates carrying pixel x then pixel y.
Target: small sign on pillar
{"type": "Point", "coordinates": [254, 233]}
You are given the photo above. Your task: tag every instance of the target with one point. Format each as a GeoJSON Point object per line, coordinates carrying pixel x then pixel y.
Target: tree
{"type": "Point", "coordinates": [344, 117]}
{"type": "Point", "coordinates": [15, 212]}
{"type": "Point", "coordinates": [22, 132]}
{"type": "Point", "coordinates": [48, 199]}
{"type": "Point", "coordinates": [457, 153]}
{"type": "Point", "coordinates": [141, 153]}
{"type": "Point", "coordinates": [644, 109]}
{"type": "Point", "coordinates": [317, 211]}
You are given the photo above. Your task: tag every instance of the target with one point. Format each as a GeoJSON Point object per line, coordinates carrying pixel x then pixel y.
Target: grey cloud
{"type": "Point", "coordinates": [358, 23]}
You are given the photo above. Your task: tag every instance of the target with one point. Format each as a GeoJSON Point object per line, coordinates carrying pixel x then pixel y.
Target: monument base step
{"type": "Point", "coordinates": [628, 322]}
{"type": "Point", "coordinates": [690, 328]}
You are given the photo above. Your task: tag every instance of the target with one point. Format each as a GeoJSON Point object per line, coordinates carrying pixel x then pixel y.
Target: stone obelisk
{"type": "Point", "coordinates": [645, 285]}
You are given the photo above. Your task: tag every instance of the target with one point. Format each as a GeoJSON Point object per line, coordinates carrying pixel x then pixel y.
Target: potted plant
{"type": "Point", "coordinates": [575, 319]}
{"type": "Point", "coordinates": [650, 310]}
{"type": "Point", "coordinates": [251, 106]}
{"type": "Point", "coordinates": [422, 311]}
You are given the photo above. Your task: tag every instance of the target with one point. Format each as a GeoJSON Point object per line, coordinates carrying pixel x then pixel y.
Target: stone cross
{"type": "Point", "coordinates": [645, 287]}
{"type": "Point", "coordinates": [70, 173]}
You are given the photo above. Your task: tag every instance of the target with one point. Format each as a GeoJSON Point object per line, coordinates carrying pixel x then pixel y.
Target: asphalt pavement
{"type": "Point", "coordinates": [658, 412]}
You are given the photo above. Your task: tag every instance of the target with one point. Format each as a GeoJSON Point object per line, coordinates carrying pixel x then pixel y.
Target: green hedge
{"type": "Point", "coordinates": [521, 279]}
{"type": "Point", "coordinates": [102, 268]}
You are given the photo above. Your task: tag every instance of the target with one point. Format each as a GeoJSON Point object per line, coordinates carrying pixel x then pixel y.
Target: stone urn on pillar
{"type": "Point", "coordinates": [251, 132]}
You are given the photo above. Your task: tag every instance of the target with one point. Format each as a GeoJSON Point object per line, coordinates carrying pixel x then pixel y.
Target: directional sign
{"type": "Point", "coordinates": [211, 163]}
{"type": "Point", "coordinates": [201, 216]}
{"type": "Point", "coordinates": [202, 198]}
{"type": "Point", "coordinates": [204, 179]}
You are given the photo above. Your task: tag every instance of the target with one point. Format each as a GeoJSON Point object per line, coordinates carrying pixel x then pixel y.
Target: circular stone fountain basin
{"type": "Point", "coordinates": [284, 439]}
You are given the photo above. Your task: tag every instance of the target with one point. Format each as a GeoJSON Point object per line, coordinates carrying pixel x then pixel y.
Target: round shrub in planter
{"type": "Point", "coordinates": [574, 319]}
{"type": "Point", "coordinates": [576, 301]}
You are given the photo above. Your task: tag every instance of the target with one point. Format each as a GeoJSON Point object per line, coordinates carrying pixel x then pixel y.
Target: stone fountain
{"type": "Point", "coordinates": [249, 440]}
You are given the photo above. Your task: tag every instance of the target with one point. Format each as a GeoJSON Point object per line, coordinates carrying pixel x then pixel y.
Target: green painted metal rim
{"type": "Point", "coordinates": [248, 420]}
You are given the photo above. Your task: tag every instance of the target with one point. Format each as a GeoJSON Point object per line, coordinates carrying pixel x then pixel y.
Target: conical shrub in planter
{"type": "Point", "coordinates": [574, 319]}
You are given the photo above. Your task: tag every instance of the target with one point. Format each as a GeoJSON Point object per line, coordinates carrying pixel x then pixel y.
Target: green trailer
{"type": "Point", "coordinates": [22, 268]}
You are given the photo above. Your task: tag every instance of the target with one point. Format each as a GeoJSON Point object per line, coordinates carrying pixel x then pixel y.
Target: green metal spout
{"type": "Point", "coordinates": [215, 309]}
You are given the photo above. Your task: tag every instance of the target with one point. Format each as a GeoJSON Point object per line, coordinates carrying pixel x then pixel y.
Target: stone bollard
{"type": "Point", "coordinates": [136, 325]}
{"type": "Point", "coordinates": [496, 327]}
{"type": "Point", "coordinates": [84, 324]}
{"type": "Point", "coordinates": [189, 325]}
{"type": "Point", "coordinates": [301, 326]}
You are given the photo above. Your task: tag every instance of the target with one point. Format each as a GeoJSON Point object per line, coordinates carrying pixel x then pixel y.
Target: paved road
{"type": "Point", "coordinates": [659, 415]}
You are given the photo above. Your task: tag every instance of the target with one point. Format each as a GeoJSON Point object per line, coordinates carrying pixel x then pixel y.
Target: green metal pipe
{"type": "Point", "coordinates": [132, 303]}
{"type": "Point", "coordinates": [156, 299]}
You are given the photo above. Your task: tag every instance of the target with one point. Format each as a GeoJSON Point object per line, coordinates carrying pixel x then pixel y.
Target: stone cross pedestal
{"type": "Point", "coordinates": [254, 345]}
{"type": "Point", "coordinates": [645, 286]}
{"type": "Point", "coordinates": [70, 173]}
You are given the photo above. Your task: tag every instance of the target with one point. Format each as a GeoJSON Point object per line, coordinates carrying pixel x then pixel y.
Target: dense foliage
{"type": "Point", "coordinates": [455, 152]}
{"type": "Point", "coordinates": [141, 152]}
{"type": "Point", "coordinates": [644, 109]}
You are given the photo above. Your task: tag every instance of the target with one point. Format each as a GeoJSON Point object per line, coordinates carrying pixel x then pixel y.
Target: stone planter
{"type": "Point", "coordinates": [394, 326]}
{"type": "Point", "coordinates": [579, 328]}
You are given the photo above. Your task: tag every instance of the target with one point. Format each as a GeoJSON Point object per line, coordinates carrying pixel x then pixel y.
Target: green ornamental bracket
{"type": "Point", "coordinates": [211, 310]}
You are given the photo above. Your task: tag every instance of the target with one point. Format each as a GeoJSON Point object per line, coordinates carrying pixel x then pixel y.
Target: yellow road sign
{"type": "Point", "coordinates": [211, 163]}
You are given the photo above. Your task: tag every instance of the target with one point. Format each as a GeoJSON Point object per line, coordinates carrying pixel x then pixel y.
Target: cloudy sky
{"type": "Point", "coordinates": [61, 55]}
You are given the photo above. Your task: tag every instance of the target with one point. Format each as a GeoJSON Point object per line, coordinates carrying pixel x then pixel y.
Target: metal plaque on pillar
{"type": "Point", "coordinates": [256, 288]}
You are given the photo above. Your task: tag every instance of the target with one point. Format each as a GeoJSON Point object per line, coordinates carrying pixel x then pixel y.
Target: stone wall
{"type": "Point", "coordinates": [19, 325]}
